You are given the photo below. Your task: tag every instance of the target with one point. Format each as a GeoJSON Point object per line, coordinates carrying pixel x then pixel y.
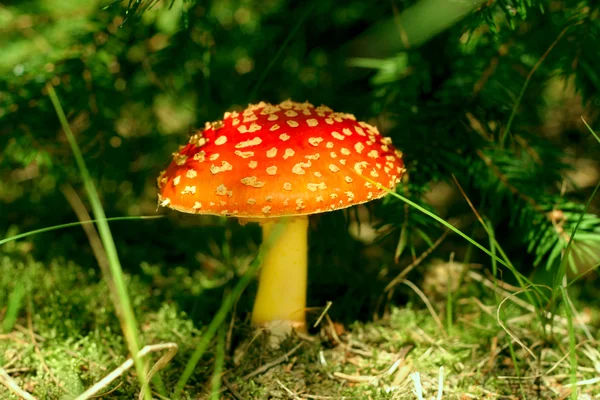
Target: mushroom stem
{"type": "Point", "coordinates": [281, 297]}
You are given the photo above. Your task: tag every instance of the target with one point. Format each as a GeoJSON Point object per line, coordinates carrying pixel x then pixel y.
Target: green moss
{"type": "Point", "coordinates": [78, 341]}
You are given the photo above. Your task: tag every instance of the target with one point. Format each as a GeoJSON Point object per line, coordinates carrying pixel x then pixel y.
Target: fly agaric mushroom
{"type": "Point", "coordinates": [284, 160]}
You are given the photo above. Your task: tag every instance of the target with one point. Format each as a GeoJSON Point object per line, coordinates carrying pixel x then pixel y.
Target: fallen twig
{"type": "Point", "coordinates": [10, 383]}
{"type": "Point", "coordinates": [374, 378]}
{"type": "Point", "coordinates": [273, 363]}
{"type": "Point", "coordinates": [171, 351]}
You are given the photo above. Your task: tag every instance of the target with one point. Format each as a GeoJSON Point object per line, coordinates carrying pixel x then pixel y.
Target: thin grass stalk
{"type": "Point", "coordinates": [280, 50]}
{"type": "Point", "coordinates": [73, 224]}
{"type": "Point", "coordinates": [13, 306]}
{"type": "Point", "coordinates": [560, 282]}
{"type": "Point", "coordinates": [219, 362]}
{"type": "Point", "coordinates": [581, 275]}
{"type": "Point", "coordinates": [506, 131]}
{"type": "Point", "coordinates": [562, 276]}
{"type": "Point", "coordinates": [441, 221]}
{"type": "Point", "coordinates": [492, 241]}
{"type": "Point", "coordinates": [513, 356]}
{"type": "Point", "coordinates": [122, 301]}
{"type": "Point", "coordinates": [561, 271]}
{"type": "Point", "coordinates": [449, 305]}
{"type": "Point", "coordinates": [590, 129]}
{"type": "Point", "coordinates": [572, 340]}
{"type": "Point", "coordinates": [223, 311]}
{"type": "Point", "coordinates": [522, 279]}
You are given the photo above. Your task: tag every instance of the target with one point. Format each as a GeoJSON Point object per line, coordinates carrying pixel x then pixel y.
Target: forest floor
{"type": "Point", "coordinates": [477, 340]}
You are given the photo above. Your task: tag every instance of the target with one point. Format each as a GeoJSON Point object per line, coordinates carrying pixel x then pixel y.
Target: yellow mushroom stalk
{"type": "Point", "coordinates": [281, 297]}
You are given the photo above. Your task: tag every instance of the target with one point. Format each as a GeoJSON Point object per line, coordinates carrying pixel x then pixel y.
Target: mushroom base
{"type": "Point", "coordinates": [281, 297]}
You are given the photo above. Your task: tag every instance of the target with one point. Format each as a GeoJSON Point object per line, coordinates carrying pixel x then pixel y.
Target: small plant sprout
{"type": "Point", "coordinates": [273, 161]}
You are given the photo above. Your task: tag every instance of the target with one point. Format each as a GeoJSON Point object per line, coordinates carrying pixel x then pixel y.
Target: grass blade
{"type": "Point", "coordinates": [277, 55]}
{"type": "Point", "coordinates": [123, 306]}
{"type": "Point", "coordinates": [515, 360]}
{"type": "Point", "coordinates": [506, 131]}
{"type": "Point", "coordinates": [560, 282]}
{"type": "Point", "coordinates": [219, 362]}
{"type": "Point", "coordinates": [446, 224]}
{"type": "Point", "coordinates": [15, 303]}
{"type": "Point", "coordinates": [562, 269]}
{"type": "Point", "coordinates": [73, 224]}
{"type": "Point", "coordinates": [572, 340]}
{"type": "Point", "coordinates": [226, 306]}
{"type": "Point", "coordinates": [591, 130]}
{"type": "Point", "coordinates": [523, 280]}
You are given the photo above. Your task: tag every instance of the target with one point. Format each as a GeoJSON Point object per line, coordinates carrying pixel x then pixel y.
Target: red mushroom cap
{"type": "Point", "coordinates": [280, 160]}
